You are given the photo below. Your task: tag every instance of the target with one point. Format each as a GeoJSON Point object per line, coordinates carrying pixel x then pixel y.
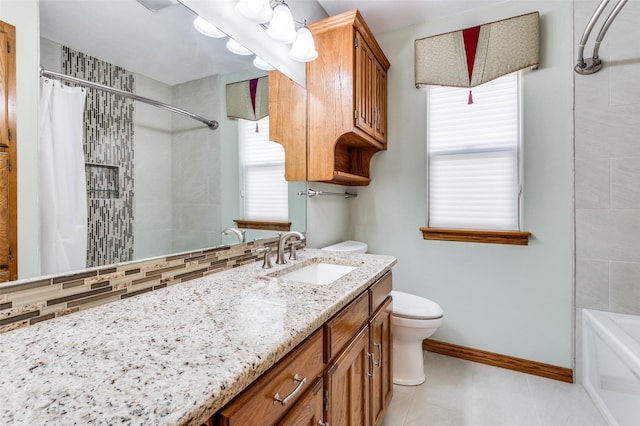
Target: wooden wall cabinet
{"type": "Point", "coordinates": [347, 365]}
{"type": "Point", "coordinates": [345, 109]}
{"type": "Point", "coordinates": [8, 155]}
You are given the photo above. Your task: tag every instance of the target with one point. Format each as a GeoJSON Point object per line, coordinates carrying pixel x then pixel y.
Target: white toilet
{"type": "Point", "coordinates": [414, 319]}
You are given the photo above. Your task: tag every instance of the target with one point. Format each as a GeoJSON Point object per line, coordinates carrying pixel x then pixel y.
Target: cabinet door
{"type": "Point", "coordinates": [365, 88]}
{"type": "Point", "coordinates": [347, 384]}
{"type": "Point", "coordinates": [381, 350]}
{"type": "Point", "coordinates": [380, 103]}
{"type": "Point", "coordinates": [309, 410]}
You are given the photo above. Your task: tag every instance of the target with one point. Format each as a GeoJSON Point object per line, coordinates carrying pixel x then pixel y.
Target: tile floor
{"type": "Point", "coordinates": [465, 393]}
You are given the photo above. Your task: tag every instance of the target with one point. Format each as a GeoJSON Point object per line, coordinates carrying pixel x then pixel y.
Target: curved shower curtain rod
{"type": "Point", "coordinates": [592, 65]}
{"type": "Point", "coordinates": [212, 124]}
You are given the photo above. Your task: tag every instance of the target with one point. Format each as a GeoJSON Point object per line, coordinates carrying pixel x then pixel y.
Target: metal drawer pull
{"type": "Point", "coordinates": [321, 423]}
{"type": "Point", "coordinates": [296, 379]}
{"type": "Point", "coordinates": [379, 346]}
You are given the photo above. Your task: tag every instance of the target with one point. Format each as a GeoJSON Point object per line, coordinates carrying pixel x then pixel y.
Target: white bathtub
{"type": "Point", "coordinates": [611, 362]}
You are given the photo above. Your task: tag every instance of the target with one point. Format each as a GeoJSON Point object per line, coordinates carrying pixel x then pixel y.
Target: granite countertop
{"type": "Point", "coordinates": [172, 356]}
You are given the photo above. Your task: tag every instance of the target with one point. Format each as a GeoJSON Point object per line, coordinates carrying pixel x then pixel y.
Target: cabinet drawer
{"type": "Point", "coordinates": [256, 405]}
{"type": "Point", "coordinates": [339, 330]}
{"type": "Point", "coordinates": [379, 291]}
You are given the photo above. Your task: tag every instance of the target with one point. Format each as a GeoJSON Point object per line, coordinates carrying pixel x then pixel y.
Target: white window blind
{"type": "Point", "coordinates": [264, 189]}
{"type": "Point", "coordinates": [473, 156]}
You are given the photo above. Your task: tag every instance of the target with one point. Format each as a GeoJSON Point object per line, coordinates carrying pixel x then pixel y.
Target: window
{"type": "Point", "coordinates": [264, 189]}
{"type": "Point", "coordinates": [473, 156]}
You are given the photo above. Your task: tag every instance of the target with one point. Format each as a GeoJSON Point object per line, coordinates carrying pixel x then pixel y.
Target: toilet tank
{"type": "Point", "coordinates": [348, 247]}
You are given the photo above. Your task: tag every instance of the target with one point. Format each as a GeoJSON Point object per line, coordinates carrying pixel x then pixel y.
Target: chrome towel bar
{"type": "Point", "coordinates": [312, 193]}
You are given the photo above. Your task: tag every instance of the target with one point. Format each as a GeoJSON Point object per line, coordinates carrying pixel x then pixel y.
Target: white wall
{"type": "Point", "coordinates": [23, 14]}
{"type": "Point", "coordinates": [512, 300]}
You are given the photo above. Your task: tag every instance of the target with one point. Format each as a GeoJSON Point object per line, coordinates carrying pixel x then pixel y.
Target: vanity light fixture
{"type": "Point", "coordinates": [261, 64]}
{"type": "Point", "coordinates": [237, 48]}
{"type": "Point", "coordinates": [304, 48]}
{"type": "Point", "coordinates": [258, 11]}
{"type": "Point", "coordinates": [206, 28]}
{"type": "Point", "coordinates": [282, 26]}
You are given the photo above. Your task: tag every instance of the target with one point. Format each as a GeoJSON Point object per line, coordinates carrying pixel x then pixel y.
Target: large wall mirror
{"type": "Point", "coordinates": [162, 183]}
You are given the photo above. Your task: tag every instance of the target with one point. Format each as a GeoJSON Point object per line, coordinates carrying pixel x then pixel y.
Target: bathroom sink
{"type": "Point", "coordinates": [318, 273]}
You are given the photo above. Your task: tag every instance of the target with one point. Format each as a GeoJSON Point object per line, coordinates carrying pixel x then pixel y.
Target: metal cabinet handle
{"type": "Point", "coordinates": [296, 379]}
{"type": "Point", "coordinates": [379, 346]}
{"type": "Point", "coordinates": [371, 364]}
{"type": "Point", "coordinates": [321, 423]}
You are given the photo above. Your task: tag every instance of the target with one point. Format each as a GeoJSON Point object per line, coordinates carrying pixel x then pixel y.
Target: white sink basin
{"type": "Point", "coordinates": [318, 273]}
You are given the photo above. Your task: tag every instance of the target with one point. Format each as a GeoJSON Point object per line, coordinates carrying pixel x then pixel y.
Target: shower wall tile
{"type": "Point", "coordinates": [108, 140]}
{"type": "Point", "coordinates": [625, 178]}
{"type": "Point", "coordinates": [592, 284]}
{"type": "Point", "coordinates": [624, 73]}
{"type": "Point", "coordinates": [28, 302]}
{"type": "Point", "coordinates": [606, 132]}
{"type": "Point", "coordinates": [608, 235]}
{"type": "Point", "coordinates": [50, 54]}
{"type": "Point", "coordinates": [149, 116]}
{"type": "Point", "coordinates": [625, 287]}
{"type": "Point", "coordinates": [197, 172]}
{"type": "Point", "coordinates": [607, 126]}
{"type": "Point", "coordinates": [592, 183]}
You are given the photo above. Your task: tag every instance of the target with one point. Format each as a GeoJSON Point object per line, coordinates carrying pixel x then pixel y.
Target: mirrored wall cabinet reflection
{"type": "Point", "coordinates": [346, 105]}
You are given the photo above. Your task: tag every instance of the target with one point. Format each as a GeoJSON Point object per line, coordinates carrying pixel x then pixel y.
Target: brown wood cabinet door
{"type": "Point", "coordinates": [309, 410]}
{"type": "Point", "coordinates": [8, 172]}
{"type": "Point", "coordinates": [365, 87]}
{"type": "Point", "coordinates": [382, 351]}
{"type": "Point", "coordinates": [347, 384]}
{"type": "Point", "coordinates": [380, 127]}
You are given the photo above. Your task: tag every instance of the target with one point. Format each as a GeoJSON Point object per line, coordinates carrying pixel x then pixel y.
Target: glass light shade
{"type": "Point", "coordinates": [282, 28]}
{"type": "Point", "coordinates": [237, 48]}
{"type": "Point", "coordinates": [304, 48]}
{"type": "Point", "coordinates": [204, 27]}
{"type": "Point", "coordinates": [258, 11]}
{"type": "Point", "coordinates": [261, 64]}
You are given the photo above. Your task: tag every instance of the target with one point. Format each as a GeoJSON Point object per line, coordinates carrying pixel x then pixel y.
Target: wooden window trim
{"type": "Point", "coordinates": [265, 225]}
{"type": "Point", "coordinates": [477, 236]}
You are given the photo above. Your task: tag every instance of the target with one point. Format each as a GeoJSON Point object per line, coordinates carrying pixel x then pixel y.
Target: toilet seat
{"type": "Point", "coordinates": [410, 306]}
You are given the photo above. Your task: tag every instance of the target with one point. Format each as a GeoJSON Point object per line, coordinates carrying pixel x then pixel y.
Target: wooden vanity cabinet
{"type": "Point", "coordinates": [359, 379]}
{"type": "Point", "coordinates": [287, 381]}
{"type": "Point", "coordinates": [347, 366]}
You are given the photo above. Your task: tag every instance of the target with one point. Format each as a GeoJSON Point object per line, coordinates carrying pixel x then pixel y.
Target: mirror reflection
{"type": "Point", "coordinates": [157, 183]}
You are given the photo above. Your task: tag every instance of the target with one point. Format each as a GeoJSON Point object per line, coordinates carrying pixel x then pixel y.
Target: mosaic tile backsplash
{"type": "Point", "coordinates": [108, 141]}
{"type": "Point", "coordinates": [27, 302]}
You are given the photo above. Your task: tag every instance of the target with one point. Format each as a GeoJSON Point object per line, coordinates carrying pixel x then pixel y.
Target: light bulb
{"type": "Point", "coordinates": [206, 28]}
{"type": "Point", "coordinates": [304, 48]}
{"type": "Point", "coordinates": [258, 11]}
{"type": "Point", "coordinates": [282, 28]}
{"type": "Point", "coordinates": [237, 48]}
{"type": "Point", "coordinates": [261, 64]}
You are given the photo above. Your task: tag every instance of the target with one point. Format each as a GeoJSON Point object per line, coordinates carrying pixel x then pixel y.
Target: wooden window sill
{"type": "Point", "coordinates": [265, 225]}
{"type": "Point", "coordinates": [476, 236]}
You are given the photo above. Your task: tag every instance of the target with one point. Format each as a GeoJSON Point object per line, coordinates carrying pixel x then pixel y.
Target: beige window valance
{"type": "Point", "coordinates": [248, 99]}
{"type": "Point", "coordinates": [473, 56]}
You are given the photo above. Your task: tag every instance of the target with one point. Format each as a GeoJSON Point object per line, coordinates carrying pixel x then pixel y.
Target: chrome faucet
{"type": "Point", "coordinates": [283, 240]}
{"type": "Point", "coordinates": [237, 232]}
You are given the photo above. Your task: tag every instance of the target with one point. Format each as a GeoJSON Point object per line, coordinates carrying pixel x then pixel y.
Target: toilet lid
{"type": "Point", "coordinates": [410, 306]}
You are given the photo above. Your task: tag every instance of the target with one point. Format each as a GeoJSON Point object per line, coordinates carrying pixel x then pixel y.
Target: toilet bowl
{"type": "Point", "coordinates": [414, 319]}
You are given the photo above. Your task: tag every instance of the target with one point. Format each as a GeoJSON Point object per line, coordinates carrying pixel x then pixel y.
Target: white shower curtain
{"type": "Point", "coordinates": [63, 196]}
